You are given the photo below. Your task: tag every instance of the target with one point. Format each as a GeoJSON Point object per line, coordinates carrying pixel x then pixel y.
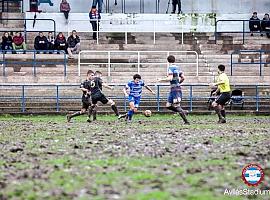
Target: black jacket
{"type": "Point", "coordinates": [60, 41]}
{"type": "Point", "coordinates": [254, 24]}
{"type": "Point", "coordinates": [6, 41]}
{"type": "Point", "coordinates": [41, 41]}
{"type": "Point", "coordinates": [73, 41]}
{"type": "Point", "coordinates": [265, 24]}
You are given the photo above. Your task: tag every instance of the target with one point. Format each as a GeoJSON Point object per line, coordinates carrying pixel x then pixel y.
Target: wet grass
{"type": "Point", "coordinates": [156, 158]}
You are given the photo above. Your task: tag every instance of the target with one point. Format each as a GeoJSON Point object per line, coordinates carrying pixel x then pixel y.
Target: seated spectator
{"type": "Point", "coordinates": [6, 42]}
{"type": "Point", "coordinates": [18, 42]}
{"type": "Point", "coordinates": [94, 20]}
{"type": "Point", "coordinates": [73, 44]}
{"type": "Point", "coordinates": [41, 43]}
{"type": "Point", "coordinates": [51, 40]}
{"type": "Point", "coordinates": [254, 23]}
{"type": "Point", "coordinates": [65, 8]}
{"type": "Point", "coordinates": [60, 43]}
{"type": "Point", "coordinates": [265, 25]}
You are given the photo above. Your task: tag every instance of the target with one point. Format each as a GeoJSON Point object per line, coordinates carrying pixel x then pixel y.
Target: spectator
{"type": "Point", "coordinates": [99, 2]}
{"type": "Point", "coordinates": [254, 24]}
{"type": "Point", "coordinates": [174, 4]}
{"type": "Point", "coordinates": [94, 20]}
{"type": "Point", "coordinates": [60, 43]}
{"type": "Point", "coordinates": [73, 44]}
{"type": "Point", "coordinates": [18, 42]}
{"type": "Point", "coordinates": [6, 42]}
{"type": "Point", "coordinates": [265, 25]}
{"type": "Point", "coordinates": [51, 40]}
{"type": "Point", "coordinates": [65, 8]}
{"type": "Point", "coordinates": [41, 43]}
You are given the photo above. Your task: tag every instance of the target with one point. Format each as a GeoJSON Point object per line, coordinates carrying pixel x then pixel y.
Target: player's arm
{"type": "Point", "coordinates": [125, 90]}
{"type": "Point", "coordinates": [216, 92]}
{"type": "Point", "coordinates": [148, 88]}
{"type": "Point", "coordinates": [166, 79]}
{"type": "Point", "coordinates": [181, 78]}
{"type": "Point", "coordinates": [107, 86]}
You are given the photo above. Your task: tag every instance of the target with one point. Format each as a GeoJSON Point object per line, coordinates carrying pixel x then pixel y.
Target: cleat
{"type": "Point", "coordinates": [122, 116]}
{"type": "Point", "coordinates": [222, 121]}
{"type": "Point", "coordinates": [68, 118]}
{"type": "Point", "coordinates": [89, 120]}
{"type": "Point", "coordinates": [187, 123]}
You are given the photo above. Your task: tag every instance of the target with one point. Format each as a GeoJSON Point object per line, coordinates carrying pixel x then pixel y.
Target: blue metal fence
{"type": "Point", "coordinates": [159, 98]}
{"type": "Point", "coordinates": [4, 62]}
{"type": "Point", "coordinates": [261, 52]}
{"type": "Point", "coordinates": [233, 31]}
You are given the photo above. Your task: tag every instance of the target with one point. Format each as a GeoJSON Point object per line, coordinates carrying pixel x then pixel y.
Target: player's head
{"type": "Point", "coordinates": [221, 68]}
{"type": "Point", "coordinates": [171, 59]}
{"type": "Point", "coordinates": [137, 78]}
{"type": "Point", "coordinates": [41, 34]}
{"type": "Point", "coordinates": [90, 74]}
{"type": "Point", "coordinates": [98, 74]}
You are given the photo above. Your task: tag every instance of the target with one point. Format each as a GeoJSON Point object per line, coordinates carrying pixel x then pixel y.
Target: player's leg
{"type": "Point", "coordinates": [132, 110]}
{"type": "Point", "coordinates": [114, 107]}
{"type": "Point", "coordinates": [223, 112]}
{"type": "Point", "coordinates": [78, 113]}
{"type": "Point", "coordinates": [92, 111]}
{"type": "Point", "coordinates": [217, 107]}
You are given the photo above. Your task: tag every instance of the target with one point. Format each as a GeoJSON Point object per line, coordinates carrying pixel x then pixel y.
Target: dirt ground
{"type": "Point", "coordinates": [156, 158]}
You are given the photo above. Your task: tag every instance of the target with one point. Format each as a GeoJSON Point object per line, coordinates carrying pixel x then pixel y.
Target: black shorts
{"type": "Point", "coordinates": [86, 102]}
{"type": "Point", "coordinates": [223, 98]}
{"type": "Point", "coordinates": [99, 97]}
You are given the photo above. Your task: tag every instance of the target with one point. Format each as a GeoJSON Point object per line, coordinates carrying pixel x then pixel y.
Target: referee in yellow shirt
{"type": "Point", "coordinates": [223, 86]}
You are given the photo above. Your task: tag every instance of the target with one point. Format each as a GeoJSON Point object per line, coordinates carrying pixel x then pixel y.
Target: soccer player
{"type": "Point", "coordinates": [86, 102]}
{"type": "Point", "coordinates": [134, 96]}
{"type": "Point", "coordinates": [224, 88]}
{"type": "Point", "coordinates": [175, 77]}
{"type": "Point", "coordinates": [96, 85]}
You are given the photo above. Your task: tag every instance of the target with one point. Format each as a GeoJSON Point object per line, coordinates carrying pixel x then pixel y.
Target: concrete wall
{"type": "Point", "coordinates": [188, 6]}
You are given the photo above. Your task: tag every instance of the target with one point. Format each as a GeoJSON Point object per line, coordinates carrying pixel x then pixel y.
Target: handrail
{"type": "Point", "coordinates": [238, 52]}
{"type": "Point", "coordinates": [139, 62]}
{"type": "Point", "coordinates": [233, 20]}
{"type": "Point", "coordinates": [34, 62]}
{"type": "Point", "coordinates": [127, 29]}
{"type": "Point", "coordinates": [25, 27]}
{"type": "Point", "coordinates": [189, 97]}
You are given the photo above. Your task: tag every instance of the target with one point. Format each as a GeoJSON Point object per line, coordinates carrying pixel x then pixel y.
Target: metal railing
{"type": "Point", "coordinates": [4, 62]}
{"type": "Point", "coordinates": [25, 31]}
{"type": "Point", "coordinates": [138, 55]}
{"type": "Point", "coordinates": [128, 24]}
{"type": "Point", "coordinates": [243, 28]}
{"type": "Point", "coordinates": [260, 63]}
{"type": "Point", "coordinates": [192, 93]}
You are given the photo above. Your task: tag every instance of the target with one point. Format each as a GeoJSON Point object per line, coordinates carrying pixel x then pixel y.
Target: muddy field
{"type": "Point", "coordinates": [157, 158]}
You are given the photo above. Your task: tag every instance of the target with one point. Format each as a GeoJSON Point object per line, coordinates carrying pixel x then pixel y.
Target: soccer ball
{"type": "Point", "coordinates": [147, 113]}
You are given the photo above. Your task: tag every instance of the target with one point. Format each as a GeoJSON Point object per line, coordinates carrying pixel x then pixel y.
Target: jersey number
{"type": "Point", "coordinates": [92, 84]}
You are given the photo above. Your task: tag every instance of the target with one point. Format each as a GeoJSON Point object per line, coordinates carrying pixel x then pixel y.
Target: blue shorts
{"type": "Point", "coordinates": [136, 100]}
{"type": "Point", "coordinates": [175, 97]}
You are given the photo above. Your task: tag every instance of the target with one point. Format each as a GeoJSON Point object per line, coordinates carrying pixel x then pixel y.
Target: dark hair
{"type": "Point", "coordinates": [94, 7]}
{"type": "Point", "coordinates": [255, 13]}
{"type": "Point", "coordinates": [171, 59]}
{"type": "Point", "coordinates": [137, 76]}
{"type": "Point", "coordinates": [221, 68]}
{"type": "Point", "coordinates": [40, 32]}
{"type": "Point", "coordinates": [50, 32]}
{"type": "Point", "coordinates": [98, 72]}
{"type": "Point", "coordinates": [90, 72]}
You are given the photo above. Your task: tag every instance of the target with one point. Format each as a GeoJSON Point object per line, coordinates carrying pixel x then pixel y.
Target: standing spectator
{"type": "Point", "coordinates": [254, 24]}
{"type": "Point", "coordinates": [174, 4]}
{"type": "Point", "coordinates": [265, 25]}
{"type": "Point", "coordinates": [65, 8]}
{"type": "Point", "coordinates": [94, 20]}
{"type": "Point", "coordinates": [99, 2]}
{"type": "Point", "coordinates": [51, 40]}
{"type": "Point", "coordinates": [41, 43]}
{"type": "Point", "coordinates": [18, 42]}
{"type": "Point", "coordinates": [60, 43]}
{"type": "Point", "coordinates": [73, 44]}
{"type": "Point", "coordinates": [6, 42]}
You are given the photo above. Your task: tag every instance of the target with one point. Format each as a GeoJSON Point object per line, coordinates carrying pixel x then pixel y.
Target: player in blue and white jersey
{"type": "Point", "coordinates": [134, 97]}
{"type": "Point", "coordinates": [175, 77]}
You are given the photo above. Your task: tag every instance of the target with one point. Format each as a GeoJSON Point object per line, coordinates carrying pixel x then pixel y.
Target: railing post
{"type": "Point", "coordinates": [79, 64]}
{"type": "Point", "coordinates": [158, 97]}
{"type": "Point", "coordinates": [4, 64]}
{"type": "Point", "coordinates": [97, 32]}
{"type": "Point", "coordinates": [125, 103]}
{"type": "Point", "coordinates": [57, 98]}
{"type": "Point", "coordinates": [257, 98]}
{"type": "Point", "coordinates": [34, 64]}
{"type": "Point", "coordinates": [126, 38]}
{"type": "Point", "coordinates": [182, 37]}
{"type": "Point", "coordinates": [216, 31]}
{"type": "Point", "coordinates": [154, 31]}
{"type": "Point", "coordinates": [190, 98]}
{"type": "Point", "coordinates": [139, 62]}
{"type": "Point", "coordinates": [23, 99]}
{"type": "Point", "coordinates": [65, 64]}
{"type": "Point", "coordinates": [260, 63]}
{"type": "Point", "coordinates": [109, 63]}
{"type": "Point", "coordinates": [231, 63]}
{"type": "Point", "coordinates": [243, 32]}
